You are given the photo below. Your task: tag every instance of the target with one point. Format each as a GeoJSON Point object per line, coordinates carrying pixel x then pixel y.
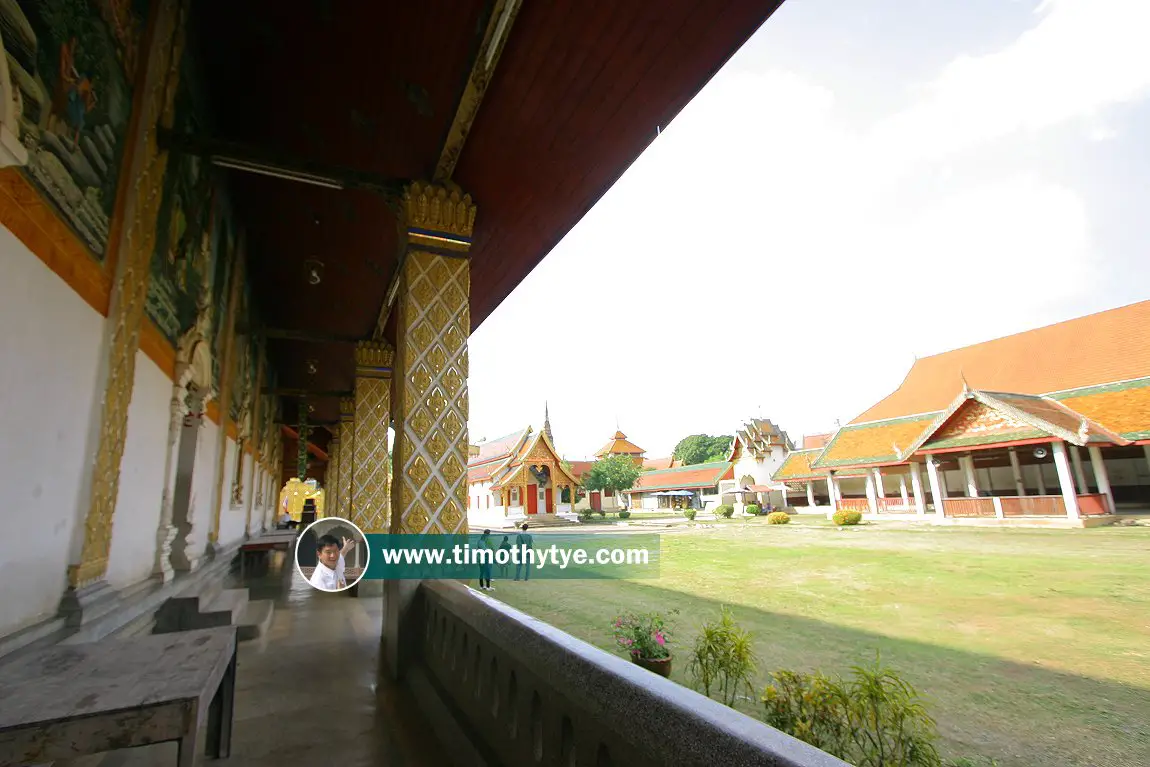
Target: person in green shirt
{"type": "Point", "coordinates": [523, 542]}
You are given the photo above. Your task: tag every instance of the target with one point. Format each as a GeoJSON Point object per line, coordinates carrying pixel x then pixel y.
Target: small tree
{"type": "Point", "coordinates": [723, 661]}
{"type": "Point", "coordinates": [612, 474]}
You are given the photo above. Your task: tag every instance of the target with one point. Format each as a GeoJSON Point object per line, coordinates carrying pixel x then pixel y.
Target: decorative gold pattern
{"type": "Point", "coordinates": [228, 374]}
{"type": "Point", "coordinates": [494, 38]}
{"type": "Point", "coordinates": [131, 290]}
{"type": "Point", "coordinates": [370, 507]}
{"type": "Point", "coordinates": [347, 448]}
{"type": "Point", "coordinates": [431, 435]}
{"type": "Point", "coordinates": [440, 209]}
{"type": "Point", "coordinates": [372, 354]}
{"type": "Point", "coordinates": [331, 476]}
{"type": "Point", "coordinates": [256, 495]}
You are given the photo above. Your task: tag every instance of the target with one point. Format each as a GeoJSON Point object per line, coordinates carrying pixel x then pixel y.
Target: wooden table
{"type": "Point", "coordinates": [70, 700]}
{"type": "Point", "coordinates": [281, 540]}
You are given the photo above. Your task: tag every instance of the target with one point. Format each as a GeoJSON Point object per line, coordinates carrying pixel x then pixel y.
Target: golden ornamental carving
{"type": "Point", "coordinates": [431, 447]}
{"type": "Point", "coordinates": [373, 354]}
{"type": "Point", "coordinates": [370, 506]}
{"type": "Point", "coordinates": [131, 290]}
{"type": "Point", "coordinates": [346, 408]}
{"type": "Point", "coordinates": [439, 209]}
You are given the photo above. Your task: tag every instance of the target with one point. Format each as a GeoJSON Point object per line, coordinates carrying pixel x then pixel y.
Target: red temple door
{"type": "Point", "coordinates": [550, 501]}
{"type": "Point", "coordinates": [596, 501]}
{"type": "Point", "coordinates": [532, 499]}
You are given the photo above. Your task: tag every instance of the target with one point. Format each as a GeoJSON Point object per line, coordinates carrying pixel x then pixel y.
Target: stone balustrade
{"type": "Point", "coordinates": [532, 694]}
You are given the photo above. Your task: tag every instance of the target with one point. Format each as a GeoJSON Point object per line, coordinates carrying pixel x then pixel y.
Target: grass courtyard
{"type": "Point", "coordinates": [1032, 647]}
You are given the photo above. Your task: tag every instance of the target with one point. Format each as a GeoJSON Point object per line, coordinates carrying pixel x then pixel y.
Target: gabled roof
{"type": "Point", "coordinates": [539, 448]}
{"type": "Point", "coordinates": [758, 436]}
{"type": "Point", "coordinates": [873, 444]}
{"type": "Point", "coordinates": [1102, 348]}
{"type": "Point", "coordinates": [813, 441]}
{"type": "Point", "coordinates": [684, 477]}
{"type": "Point", "coordinates": [653, 464]}
{"type": "Point", "coordinates": [797, 467]}
{"type": "Point", "coordinates": [494, 454]}
{"type": "Point", "coordinates": [619, 445]}
{"type": "Point", "coordinates": [979, 418]}
{"type": "Point", "coordinates": [1121, 407]}
{"type": "Point", "coordinates": [580, 468]}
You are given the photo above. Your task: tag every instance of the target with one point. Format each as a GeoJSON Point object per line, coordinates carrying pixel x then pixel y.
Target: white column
{"type": "Point", "coordinates": [1041, 479]}
{"type": "Point", "coordinates": [902, 489]}
{"type": "Point", "coordinates": [1101, 478]}
{"type": "Point", "coordinates": [871, 500]}
{"type": "Point", "coordinates": [1016, 470]}
{"type": "Point", "coordinates": [1079, 474]}
{"type": "Point", "coordinates": [916, 487]}
{"type": "Point", "coordinates": [784, 494]}
{"type": "Point", "coordinates": [997, 507]}
{"type": "Point", "coordinates": [831, 492]}
{"type": "Point", "coordinates": [810, 495]}
{"type": "Point", "coordinates": [967, 463]}
{"type": "Point", "coordinates": [878, 482]}
{"type": "Point", "coordinates": [1069, 497]}
{"type": "Point", "coordinates": [935, 489]}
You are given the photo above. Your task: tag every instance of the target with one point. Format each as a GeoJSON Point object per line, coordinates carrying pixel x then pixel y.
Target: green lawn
{"type": "Point", "coordinates": [1032, 646]}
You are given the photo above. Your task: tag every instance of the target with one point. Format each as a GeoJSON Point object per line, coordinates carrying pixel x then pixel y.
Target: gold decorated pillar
{"type": "Point", "coordinates": [433, 323]}
{"type": "Point", "coordinates": [370, 507]}
{"type": "Point", "coordinates": [332, 506]}
{"type": "Point", "coordinates": [342, 489]}
{"type": "Point", "coordinates": [89, 561]}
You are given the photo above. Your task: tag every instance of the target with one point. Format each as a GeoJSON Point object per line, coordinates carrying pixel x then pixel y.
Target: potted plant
{"type": "Point", "coordinates": [646, 639]}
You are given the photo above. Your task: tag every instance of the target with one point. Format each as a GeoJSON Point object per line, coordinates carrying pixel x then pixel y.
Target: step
{"type": "Point", "coordinates": [226, 609]}
{"type": "Point", "coordinates": [256, 620]}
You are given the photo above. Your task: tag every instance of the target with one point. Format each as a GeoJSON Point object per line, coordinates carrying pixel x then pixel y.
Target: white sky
{"type": "Point", "coordinates": [862, 183]}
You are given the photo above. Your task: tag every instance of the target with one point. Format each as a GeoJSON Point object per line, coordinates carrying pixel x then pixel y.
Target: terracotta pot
{"type": "Point", "coordinates": [660, 666]}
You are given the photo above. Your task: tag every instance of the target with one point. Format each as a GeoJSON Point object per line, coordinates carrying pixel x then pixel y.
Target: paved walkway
{"type": "Point", "coordinates": [307, 693]}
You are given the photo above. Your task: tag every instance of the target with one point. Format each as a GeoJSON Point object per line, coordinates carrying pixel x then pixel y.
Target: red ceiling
{"type": "Point", "coordinates": [577, 95]}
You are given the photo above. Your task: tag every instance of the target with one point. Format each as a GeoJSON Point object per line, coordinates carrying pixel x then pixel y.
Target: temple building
{"type": "Point", "coordinates": [519, 478]}
{"type": "Point", "coordinates": [1051, 424]}
{"type": "Point", "coordinates": [246, 243]}
{"type": "Point", "coordinates": [757, 451]}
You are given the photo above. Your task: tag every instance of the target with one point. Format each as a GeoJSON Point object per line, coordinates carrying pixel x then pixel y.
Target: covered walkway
{"type": "Point", "coordinates": [309, 692]}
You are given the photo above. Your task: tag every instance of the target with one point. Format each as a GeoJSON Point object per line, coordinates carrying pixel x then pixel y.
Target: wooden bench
{"type": "Point", "coordinates": [67, 701]}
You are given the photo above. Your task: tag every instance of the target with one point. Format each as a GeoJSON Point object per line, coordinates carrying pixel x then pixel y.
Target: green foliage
{"type": "Point", "coordinates": [585, 515]}
{"type": "Point", "coordinates": [753, 509]}
{"type": "Point", "coordinates": [689, 514]}
{"type": "Point", "coordinates": [725, 511]}
{"type": "Point", "coordinates": [967, 762]}
{"type": "Point", "coordinates": [702, 448]}
{"type": "Point", "coordinates": [873, 719]}
{"type": "Point", "coordinates": [723, 661]}
{"type": "Point", "coordinates": [778, 518]}
{"type": "Point", "coordinates": [645, 635]}
{"type": "Point", "coordinates": [612, 474]}
{"type": "Point", "coordinates": [624, 514]}
{"type": "Point", "coordinates": [844, 517]}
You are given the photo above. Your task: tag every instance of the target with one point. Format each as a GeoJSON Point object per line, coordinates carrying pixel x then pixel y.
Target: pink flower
{"type": "Point", "coordinates": [628, 642]}
{"type": "Point", "coordinates": [660, 638]}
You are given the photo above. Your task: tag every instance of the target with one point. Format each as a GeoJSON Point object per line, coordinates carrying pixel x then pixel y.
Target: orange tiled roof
{"type": "Point", "coordinates": [511, 472]}
{"type": "Point", "coordinates": [873, 443]}
{"type": "Point", "coordinates": [1123, 408]}
{"type": "Point", "coordinates": [619, 444]}
{"type": "Point", "coordinates": [1097, 349]}
{"type": "Point", "coordinates": [669, 462]}
{"type": "Point", "coordinates": [580, 468]}
{"type": "Point", "coordinates": [685, 477]}
{"type": "Point", "coordinates": [813, 441]}
{"type": "Point", "coordinates": [494, 454]}
{"type": "Point", "coordinates": [797, 466]}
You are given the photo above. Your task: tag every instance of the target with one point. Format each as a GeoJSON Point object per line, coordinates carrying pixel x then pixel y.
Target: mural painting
{"type": "Point", "coordinates": [72, 64]}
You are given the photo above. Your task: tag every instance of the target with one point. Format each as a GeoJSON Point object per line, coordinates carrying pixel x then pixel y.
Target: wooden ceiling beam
{"type": "Point", "coordinates": [308, 393]}
{"type": "Point", "coordinates": [482, 68]}
{"type": "Point", "coordinates": [282, 334]}
{"type": "Point", "coordinates": [250, 159]}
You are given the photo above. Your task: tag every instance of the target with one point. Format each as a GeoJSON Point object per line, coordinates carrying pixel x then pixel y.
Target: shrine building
{"type": "Point", "coordinates": [519, 478]}
{"type": "Point", "coordinates": [247, 243]}
{"type": "Point", "coordinates": [1048, 426]}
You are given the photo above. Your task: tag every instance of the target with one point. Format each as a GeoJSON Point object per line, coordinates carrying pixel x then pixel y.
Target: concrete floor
{"type": "Point", "coordinates": [307, 693]}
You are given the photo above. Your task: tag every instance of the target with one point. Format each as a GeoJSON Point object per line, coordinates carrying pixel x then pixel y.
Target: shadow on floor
{"type": "Point", "coordinates": [308, 692]}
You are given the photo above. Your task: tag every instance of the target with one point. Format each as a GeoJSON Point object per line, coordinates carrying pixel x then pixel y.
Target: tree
{"type": "Point", "coordinates": [703, 448]}
{"type": "Point", "coordinates": [612, 474]}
